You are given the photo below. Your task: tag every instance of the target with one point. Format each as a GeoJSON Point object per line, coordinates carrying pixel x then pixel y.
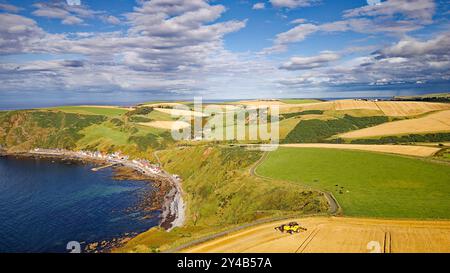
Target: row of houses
{"type": "Point", "coordinates": [142, 165]}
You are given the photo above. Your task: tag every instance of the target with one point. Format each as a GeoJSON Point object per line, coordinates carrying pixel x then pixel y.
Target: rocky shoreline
{"type": "Point", "coordinates": [167, 199]}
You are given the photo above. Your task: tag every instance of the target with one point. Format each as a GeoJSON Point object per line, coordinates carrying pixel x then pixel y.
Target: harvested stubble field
{"type": "Point", "coordinates": [336, 235]}
{"type": "Point", "coordinates": [168, 125]}
{"type": "Point", "coordinates": [179, 112]}
{"type": "Point", "coordinates": [410, 108]}
{"type": "Point", "coordinates": [413, 150]}
{"type": "Point", "coordinates": [388, 108]}
{"type": "Point", "coordinates": [432, 123]}
{"type": "Point", "coordinates": [354, 104]}
{"type": "Point", "coordinates": [392, 108]}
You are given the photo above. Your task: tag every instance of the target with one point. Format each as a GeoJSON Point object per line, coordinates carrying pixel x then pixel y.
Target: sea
{"type": "Point", "coordinates": [45, 204]}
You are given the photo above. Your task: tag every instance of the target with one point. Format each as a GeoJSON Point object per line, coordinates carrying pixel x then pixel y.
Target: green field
{"type": "Point", "coordinates": [220, 193]}
{"type": "Point", "coordinates": [91, 110]}
{"type": "Point", "coordinates": [157, 115]}
{"type": "Point", "coordinates": [365, 183]}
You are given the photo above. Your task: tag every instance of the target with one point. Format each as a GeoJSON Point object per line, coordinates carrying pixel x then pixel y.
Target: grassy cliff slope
{"type": "Point", "coordinates": [221, 193]}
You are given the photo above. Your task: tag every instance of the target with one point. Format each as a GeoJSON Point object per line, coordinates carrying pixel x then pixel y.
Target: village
{"type": "Point", "coordinates": [173, 209]}
{"type": "Point", "coordinates": [116, 158]}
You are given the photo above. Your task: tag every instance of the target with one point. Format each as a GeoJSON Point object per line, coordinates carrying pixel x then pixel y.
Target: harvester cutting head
{"type": "Point", "coordinates": [291, 228]}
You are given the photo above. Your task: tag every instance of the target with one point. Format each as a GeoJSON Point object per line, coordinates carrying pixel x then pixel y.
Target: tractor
{"type": "Point", "coordinates": [291, 228]}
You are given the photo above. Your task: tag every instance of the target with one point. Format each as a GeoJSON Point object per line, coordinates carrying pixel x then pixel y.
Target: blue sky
{"type": "Point", "coordinates": [86, 51]}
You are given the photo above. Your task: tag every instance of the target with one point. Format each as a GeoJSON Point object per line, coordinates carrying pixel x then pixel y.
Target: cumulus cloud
{"type": "Point", "coordinates": [296, 34]}
{"type": "Point", "coordinates": [293, 3]}
{"type": "Point", "coordinates": [18, 33]}
{"type": "Point", "coordinates": [177, 34]}
{"type": "Point", "coordinates": [73, 2]}
{"type": "Point", "coordinates": [9, 8]}
{"type": "Point", "coordinates": [406, 61]}
{"type": "Point", "coordinates": [419, 10]}
{"type": "Point", "coordinates": [382, 18]}
{"type": "Point", "coordinates": [71, 12]}
{"type": "Point", "coordinates": [259, 5]}
{"type": "Point", "coordinates": [298, 21]}
{"type": "Point", "coordinates": [113, 20]}
{"type": "Point", "coordinates": [169, 45]}
{"type": "Point", "coordinates": [301, 63]}
{"type": "Point", "coordinates": [177, 47]}
{"type": "Point", "coordinates": [411, 47]}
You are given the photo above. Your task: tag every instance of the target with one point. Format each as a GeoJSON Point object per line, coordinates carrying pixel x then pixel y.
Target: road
{"type": "Point", "coordinates": [174, 207]}
{"type": "Point", "coordinates": [334, 209]}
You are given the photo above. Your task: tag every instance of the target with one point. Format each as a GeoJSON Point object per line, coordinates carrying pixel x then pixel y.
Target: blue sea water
{"type": "Point", "coordinates": [44, 204]}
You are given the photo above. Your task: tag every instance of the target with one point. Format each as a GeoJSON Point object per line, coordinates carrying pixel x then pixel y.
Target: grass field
{"type": "Point", "coordinates": [92, 110]}
{"type": "Point", "coordinates": [160, 116]}
{"type": "Point", "coordinates": [365, 183]}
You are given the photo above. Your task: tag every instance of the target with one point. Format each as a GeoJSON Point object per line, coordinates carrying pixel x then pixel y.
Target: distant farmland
{"type": "Point", "coordinates": [92, 110]}
{"type": "Point", "coordinates": [435, 122]}
{"type": "Point", "coordinates": [365, 183]}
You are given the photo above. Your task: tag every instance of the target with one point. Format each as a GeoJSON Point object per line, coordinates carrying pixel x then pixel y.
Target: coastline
{"type": "Point", "coordinates": [170, 199]}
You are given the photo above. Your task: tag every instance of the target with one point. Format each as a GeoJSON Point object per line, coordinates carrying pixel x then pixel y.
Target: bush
{"type": "Point", "coordinates": [307, 112]}
{"type": "Point", "coordinates": [310, 131]}
{"type": "Point", "coordinates": [438, 137]}
{"type": "Point", "coordinates": [117, 122]}
{"type": "Point", "coordinates": [139, 119]}
{"type": "Point", "coordinates": [151, 141]}
{"type": "Point", "coordinates": [45, 129]}
{"type": "Point", "coordinates": [140, 111]}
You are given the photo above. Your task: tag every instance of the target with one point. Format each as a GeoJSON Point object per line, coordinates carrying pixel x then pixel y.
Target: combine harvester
{"type": "Point", "coordinates": [291, 228]}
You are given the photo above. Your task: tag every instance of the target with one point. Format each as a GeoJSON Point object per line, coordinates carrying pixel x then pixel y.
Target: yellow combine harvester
{"type": "Point", "coordinates": [291, 228]}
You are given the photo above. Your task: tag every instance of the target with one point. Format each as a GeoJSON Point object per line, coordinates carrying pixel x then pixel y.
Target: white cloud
{"type": "Point", "coordinates": [71, 13]}
{"type": "Point", "coordinates": [382, 18]}
{"type": "Point", "coordinates": [111, 19]}
{"type": "Point", "coordinates": [18, 33]}
{"type": "Point", "coordinates": [73, 2]}
{"type": "Point", "coordinates": [177, 47]}
{"type": "Point", "coordinates": [410, 47]}
{"type": "Point", "coordinates": [293, 3]}
{"type": "Point", "coordinates": [169, 45]}
{"type": "Point", "coordinates": [421, 11]}
{"type": "Point", "coordinates": [259, 5]}
{"type": "Point", "coordinates": [407, 61]}
{"type": "Point", "coordinates": [296, 34]}
{"type": "Point", "coordinates": [298, 21]}
{"type": "Point", "coordinates": [9, 8]}
{"type": "Point", "coordinates": [301, 63]}
{"type": "Point", "coordinates": [373, 2]}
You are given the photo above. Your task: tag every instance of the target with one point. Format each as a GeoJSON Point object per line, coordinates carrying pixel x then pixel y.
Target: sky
{"type": "Point", "coordinates": [111, 51]}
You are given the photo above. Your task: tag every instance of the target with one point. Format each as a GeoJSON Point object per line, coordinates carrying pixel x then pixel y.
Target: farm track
{"type": "Point", "coordinates": [331, 235]}
{"type": "Point", "coordinates": [334, 209]}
